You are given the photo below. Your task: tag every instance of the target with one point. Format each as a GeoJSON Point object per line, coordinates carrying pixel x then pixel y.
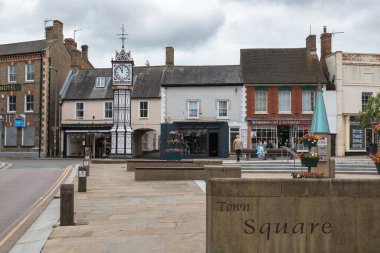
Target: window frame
{"type": "Point", "coordinates": [196, 109]}
{"type": "Point", "coordinates": [13, 74]}
{"type": "Point", "coordinates": [76, 110]}
{"type": "Point", "coordinates": [282, 92]}
{"type": "Point", "coordinates": [8, 104]}
{"type": "Point", "coordinates": [144, 109]}
{"type": "Point", "coordinates": [27, 72]}
{"type": "Point", "coordinates": [98, 81]}
{"type": "Point", "coordinates": [312, 101]}
{"type": "Point", "coordinates": [26, 103]}
{"type": "Point", "coordinates": [107, 110]}
{"type": "Point", "coordinates": [263, 92]}
{"type": "Point", "coordinates": [218, 108]}
{"type": "Point", "coordinates": [368, 96]}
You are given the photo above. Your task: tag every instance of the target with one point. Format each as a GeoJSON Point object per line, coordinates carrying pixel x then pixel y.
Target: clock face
{"type": "Point", "coordinates": [122, 72]}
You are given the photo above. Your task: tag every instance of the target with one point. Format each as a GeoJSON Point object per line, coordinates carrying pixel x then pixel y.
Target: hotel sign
{"type": "Point", "coordinates": [10, 87]}
{"type": "Point", "coordinates": [281, 122]}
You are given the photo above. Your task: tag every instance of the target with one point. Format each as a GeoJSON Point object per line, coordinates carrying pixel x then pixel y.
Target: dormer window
{"type": "Point", "coordinates": [100, 82]}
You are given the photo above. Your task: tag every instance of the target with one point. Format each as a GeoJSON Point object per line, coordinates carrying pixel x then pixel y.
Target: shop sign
{"type": "Point", "coordinates": [20, 120]}
{"type": "Point", "coordinates": [10, 87]}
{"type": "Point", "coordinates": [281, 122]}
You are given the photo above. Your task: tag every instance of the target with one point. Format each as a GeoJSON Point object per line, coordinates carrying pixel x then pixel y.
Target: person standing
{"type": "Point", "coordinates": [238, 144]}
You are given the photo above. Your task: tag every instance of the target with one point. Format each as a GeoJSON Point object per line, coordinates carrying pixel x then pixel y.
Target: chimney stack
{"type": "Point", "coordinates": [55, 31]}
{"type": "Point", "coordinates": [70, 44]}
{"type": "Point", "coordinates": [85, 52]}
{"type": "Point", "coordinates": [311, 43]}
{"type": "Point", "coordinates": [325, 43]}
{"type": "Point", "coordinates": [169, 57]}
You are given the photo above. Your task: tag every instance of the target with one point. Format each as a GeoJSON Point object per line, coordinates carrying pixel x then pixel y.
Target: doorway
{"type": "Point", "coordinates": [213, 144]}
{"type": "Point", "coordinates": [283, 136]}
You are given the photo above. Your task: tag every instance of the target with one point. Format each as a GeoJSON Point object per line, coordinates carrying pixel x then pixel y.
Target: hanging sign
{"type": "Point", "coordinates": [20, 120]}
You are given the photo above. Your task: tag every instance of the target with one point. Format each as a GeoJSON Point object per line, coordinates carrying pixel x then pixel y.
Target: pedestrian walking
{"type": "Point", "coordinates": [238, 144]}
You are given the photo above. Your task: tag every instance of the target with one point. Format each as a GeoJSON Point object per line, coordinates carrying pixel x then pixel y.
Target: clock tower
{"type": "Point", "coordinates": [122, 85]}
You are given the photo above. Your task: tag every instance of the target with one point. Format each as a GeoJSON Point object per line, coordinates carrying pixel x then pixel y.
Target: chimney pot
{"type": "Point", "coordinates": [324, 29]}
{"type": "Point", "coordinates": [84, 52]}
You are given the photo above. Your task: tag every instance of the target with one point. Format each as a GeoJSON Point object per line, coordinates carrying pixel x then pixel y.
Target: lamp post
{"type": "Point", "coordinates": [55, 109]}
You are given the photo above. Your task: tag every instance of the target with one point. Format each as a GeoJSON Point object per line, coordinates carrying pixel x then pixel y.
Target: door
{"type": "Point", "coordinates": [213, 144]}
{"type": "Point", "coordinates": [283, 136]}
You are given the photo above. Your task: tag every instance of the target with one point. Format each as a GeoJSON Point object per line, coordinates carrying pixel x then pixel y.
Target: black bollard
{"type": "Point", "coordinates": [67, 205]}
{"type": "Point", "coordinates": [86, 164]}
{"type": "Point", "coordinates": [82, 179]}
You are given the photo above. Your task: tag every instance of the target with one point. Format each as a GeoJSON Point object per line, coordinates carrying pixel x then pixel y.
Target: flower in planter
{"type": "Point", "coordinates": [173, 150]}
{"type": "Point", "coordinates": [305, 174]}
{"type": "Point", "coordinates": [374, 157]}
{"type": "Point", "coordinates": [376, 128]}
{"type": "Point", "coordinates": [310, 156]}
{"type": "Point", "coordinates": [311, 138]}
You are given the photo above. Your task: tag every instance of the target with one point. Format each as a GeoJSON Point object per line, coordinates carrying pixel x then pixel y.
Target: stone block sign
{"type": "Point", "coordinates": [288, 215]}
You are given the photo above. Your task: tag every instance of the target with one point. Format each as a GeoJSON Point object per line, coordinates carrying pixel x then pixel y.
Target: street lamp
{"type": "Point", "coordinates": [55, 109]}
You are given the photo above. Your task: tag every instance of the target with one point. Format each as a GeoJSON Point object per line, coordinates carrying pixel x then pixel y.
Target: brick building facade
{"type": "Point", "coordinates": [31, 75]}
{"type": "Point", "coordinates": [281, 89]}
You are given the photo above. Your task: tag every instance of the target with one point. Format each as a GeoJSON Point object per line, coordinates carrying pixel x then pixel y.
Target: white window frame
{"type": "Point", "coordinates": [26, 103]}
{"type": "Point", "coordinates": [264, 94]}
{"type": "Point", "coordinates": [147, 109]}
{"type": "Point", "coordinates": [8, 104]}
{"type": "Point", "coordinates": [197, 109]}
{"type": "Point", "coordinates": [100, 82]}
{"type": "Point", "coordinates": [282, 103]}
{"type": "Point", "coordinates": [365, 97]}
{"type": "Point", "coordinates": [218, 108]}
{"type": "Point", "coordinates": [76, 110]}
{"type": "Point", "coordinates": [27, 66]}
{"type": "Point", "coordinates": [105, 110]}
{"type": "Point", "coordinates": [12, 73]}
{"type": "Point", "coordinates": [312, 103]}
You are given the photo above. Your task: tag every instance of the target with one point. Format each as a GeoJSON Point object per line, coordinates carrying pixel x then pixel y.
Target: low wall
{"type": "Point", "coordinates": [134, 163]}
{"type": "Point", "coordinates": [293, 215]}
{"type": "Point", "coordinates": [186, 173]}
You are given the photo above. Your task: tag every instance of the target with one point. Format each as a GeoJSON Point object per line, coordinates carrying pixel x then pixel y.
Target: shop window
{"type": "Point", "coordinates": [28, 136]}
{"type": "Point", "coordinates": [222, 108]}
{"type": "Point", "coordinates": [365, 97]}
{"type": "Point", "coordinates": [296, 138]}
{"type": "Point", "coordinates": [12, 73]}
{"type": "Point", "coordinates": [264, 134]}
{"type": "Point", "coordinates": [29, 72]}
{"type": "Point", "coordinates": [194, 141]}
{"type": "Point", "coordinates": [108, 110]}
{"type": "Point", "coordinates": [79, 110]}
{"type": "Point", "coordinates": [193, 109]}
{"type": "Point", "coordinates": [261, 101]}
{"type": "Point", "coordinates": [10, 136]}
{"type": "Point", "coordinates": [11, 104]}
{"type": "Point", "coordinates": [29, 103]}
{"type": "Point", "coordinates": [143, 109]}
{"type": "Point", "coordinates": [284, 101]}
{"type": "Point", "coordinates": [308, 101]}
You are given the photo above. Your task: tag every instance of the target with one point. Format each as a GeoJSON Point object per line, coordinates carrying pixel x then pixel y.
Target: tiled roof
{"type": "Point", "coordinates": [81, 84]}
{"type": "Point", "coordinates": [24, 47]}
{"type": "Point", "coordinates": [202, 75]}
{"type": "Point", "coordinates": [280, 66]}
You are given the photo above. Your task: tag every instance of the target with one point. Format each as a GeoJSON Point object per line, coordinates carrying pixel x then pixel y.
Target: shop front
{"type": "Point", "coordinates": [360, 139]}
{"type": "Point", "coordinates": [280, 132]}
{"type": "Point", "coordinates": [76, 138]}
{"type": "Point", "coordinates": [200, 139]}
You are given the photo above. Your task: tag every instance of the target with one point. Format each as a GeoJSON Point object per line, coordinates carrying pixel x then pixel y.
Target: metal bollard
{"type": "Point", "coordinates": [67, 205]}
{"type": "Point", "coordinates": [86, 164]}
{"type": "Point", "coordinates": [82, 179]}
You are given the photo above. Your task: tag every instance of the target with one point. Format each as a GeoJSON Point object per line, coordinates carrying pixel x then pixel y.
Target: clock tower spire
{"type": "Point", "coordinates": [122, 85]}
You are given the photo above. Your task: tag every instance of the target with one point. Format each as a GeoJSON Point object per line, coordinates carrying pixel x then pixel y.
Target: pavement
{"type": "Point", "coordinates": [118, 214]}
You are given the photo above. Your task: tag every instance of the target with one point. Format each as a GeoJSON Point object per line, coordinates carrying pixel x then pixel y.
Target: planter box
{"type": "Point", "coordinates": [309, 162]}
{"type": "Point", "coordinates": [173, 156]}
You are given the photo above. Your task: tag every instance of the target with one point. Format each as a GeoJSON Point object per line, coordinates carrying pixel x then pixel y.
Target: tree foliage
{"type": "Point", "coordinates": [371, 112]}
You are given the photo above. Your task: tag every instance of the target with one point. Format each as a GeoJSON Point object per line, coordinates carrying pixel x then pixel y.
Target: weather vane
{"type": "Point", "coordinates": [123, 35]}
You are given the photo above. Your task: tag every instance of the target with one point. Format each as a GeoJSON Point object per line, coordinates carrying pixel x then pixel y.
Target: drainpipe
{"type": "Point", "coordinates": [40, 107]}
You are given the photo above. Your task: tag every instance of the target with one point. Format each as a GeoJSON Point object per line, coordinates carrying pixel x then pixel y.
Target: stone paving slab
{"type": "Point", "coordinates": [128, 216]}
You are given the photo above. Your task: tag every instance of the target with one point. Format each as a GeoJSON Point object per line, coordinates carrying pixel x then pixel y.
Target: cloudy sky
{"type": "Point", "coordinates": [202, 32]}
